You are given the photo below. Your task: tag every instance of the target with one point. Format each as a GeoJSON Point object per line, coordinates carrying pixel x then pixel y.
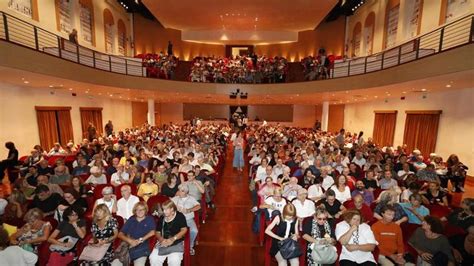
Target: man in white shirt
{"type": "Point", "coordinates": [187, 205]}
{"type": "Point", "coordinates": [328, 180]}
{"type": "Point", "coordinates": [261, 176]}
{"type": "Point", "coordinates": [126, 203]}
{"type": "Point", "coordinates": [119, 177]}
{"type": "Point", "coordinates": [205, 166]}
{"type": "Point", "coordinates": [290, 191]}
{"type": "Point", "coordinates": [278, 168]}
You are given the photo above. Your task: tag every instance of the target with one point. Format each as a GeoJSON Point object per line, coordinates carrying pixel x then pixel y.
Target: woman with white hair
{"type": "Point", "coordinates": [187, 205]}
{"type": "Point", "coordinates": [108, 199]}
{"type": "Point", "coordinates": [96, 177]}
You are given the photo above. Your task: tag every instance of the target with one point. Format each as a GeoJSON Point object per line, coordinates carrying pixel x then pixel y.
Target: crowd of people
{"type": "Point", "coordinates": [319, 66]}
{"type": "Point", "coordinates": [160, 65]}
{"type": "Point", "coordinates": [239, 69]}
{"type": "Point", "coordinates": [324, 196]}
{"type": "Point", "coordinates": [117, 197]}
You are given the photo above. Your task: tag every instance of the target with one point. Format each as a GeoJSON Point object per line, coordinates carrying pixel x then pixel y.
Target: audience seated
{"type": "Point", "coordinates": [13, 254]}
{"type": "Point", "coordinates": [187, 205]}
{"type": "Point", "coordinates": [136, 234]}
{"type": "Point", "coordinates": [33, 233]}
{"type": "Point", "coordinates": [430, 243]}
{"type": "Point", "coordinates": [357, 240]}
{"type": "Point", "coordinates": [148, 189]}
{"type": "Point", "coordinates": [389, 199]}
{"type": "Point", "coordinates": [414, 210]}
{"type": "Point", "coordinates": [159, 65]}
{"type": "Point", "coordinates": [170, 233]}
{"type": "Point", "coordinates": [126, 204]}
{"type": "Point", "coordinates": [109, 200]}
{"type": "Point", "coordinates": [239, 69]}
{"type": "Point", "coordinates": [389, 237]}
{"type": "Point", "coordinates": [45, 200]}
{"type": "Point", "coordinates": [65, 237]}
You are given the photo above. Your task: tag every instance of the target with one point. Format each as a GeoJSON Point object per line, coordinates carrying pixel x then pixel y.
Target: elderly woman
{"type": "Point", "coordinates": [109, 200]}
{"type": "Point", "coordinates": [148, 189]}
{"type": "Point", "coordinates": [290, 190]}
{"type": "Point", "coordinates": [64, 238]}
{"type": "Point", "coordinates": [187, 205]}
{"type": "Point", "coordinates": [286, 226]}
{"type": "Point", "coordinates": [430, 243]}
{"type": "Point", "coordinates": [318, 231]}
{"type": "Point", "coordinates": [136, 232]}
{"type": "Point", "coordinates": [170, 233]}
{"type": "Point", "coordinates": [33, 233]}
{"type": "Point", "coordinates": [389, 198]}
{"type": "Point", "coordinates": [96, 177]}
{"type": "Point", "coordinates": [357, 240]}
{"type": "Point", "coordinates": [104, 231]}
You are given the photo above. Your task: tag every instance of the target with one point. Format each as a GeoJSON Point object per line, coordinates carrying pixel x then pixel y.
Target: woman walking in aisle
{"type": "Point", "coordinates": [238, 144]}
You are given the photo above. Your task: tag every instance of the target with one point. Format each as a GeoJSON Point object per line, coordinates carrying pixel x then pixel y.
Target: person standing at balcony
{"type": "Point", "coordinates": [73, 36]}
{"type": "Point", "coordinates": [109, 128]}
{"type": "Point", "coordinates": [91, 131]}
{"type": "Point", "coordinates": [170, 48]}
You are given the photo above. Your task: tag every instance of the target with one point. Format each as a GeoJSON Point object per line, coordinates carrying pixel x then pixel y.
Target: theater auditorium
{"type": "Point", "coordinates": [242, 132]}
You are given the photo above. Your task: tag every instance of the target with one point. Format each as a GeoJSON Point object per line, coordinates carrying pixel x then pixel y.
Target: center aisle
{"type": "Point", "coordinates": [226, 238]}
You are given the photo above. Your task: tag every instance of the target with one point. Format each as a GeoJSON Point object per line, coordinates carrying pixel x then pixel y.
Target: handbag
{"type": "Point", "coordinates": [94, 253]}
{"type": "Point", "coordinates": [59, 248]}
{"type": "Point", "coordinates": [163, 251]}
{"type": "Point", "coordinates": [121, 253]}
{"type": "Point", "coordinates": [323, 253]}
{"type": "Point", "coordinates": [289, 248]}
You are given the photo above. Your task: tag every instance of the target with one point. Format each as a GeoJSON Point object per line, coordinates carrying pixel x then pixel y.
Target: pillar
{"type": "Point", "coordinates": [325, 116]}
{"type": "Point", "coordinates": [151, 112]}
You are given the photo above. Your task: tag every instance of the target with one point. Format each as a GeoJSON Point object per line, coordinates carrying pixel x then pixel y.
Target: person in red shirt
{"type": "Point", "coordinates": [357, 203]}
{"type": "Point", "coordinates": [389, 236]}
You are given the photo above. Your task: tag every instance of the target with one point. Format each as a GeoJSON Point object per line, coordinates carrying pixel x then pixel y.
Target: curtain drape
{"type": "Point", "coordinates": [93, 115]}
{"type": "Point", "coordinates": [47, 127]}
{"type": "Point", "coordinates": [421, 131]}
{"type": "Point", "coordinates": [65, 127]}
{"type": "Point", "coordinates": [384, 127]}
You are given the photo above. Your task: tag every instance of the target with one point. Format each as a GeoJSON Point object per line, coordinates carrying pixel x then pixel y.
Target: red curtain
{"type": "Point", "coordinates": [93, 115]}
{"type": "Point", "coordinates": [421, 131]}
{"type": "Point", "coordinates": [47, 127]}
{"type": "Point", "coordinates": [384, 127]}
{"type": "Point", "coordinates": [65, 127]}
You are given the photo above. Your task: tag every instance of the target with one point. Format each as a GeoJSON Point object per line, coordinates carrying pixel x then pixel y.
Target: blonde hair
{"type": "Point", "coordinates": [169, 204]}
{"type": "Point", "coordinates": [33, 213]}
{"type": "Point", "coordinates": [289, 211]}
{"type": "Point", "coordinates": [101, 207]}
{"type": "Point", "coordinates": [139, 204]}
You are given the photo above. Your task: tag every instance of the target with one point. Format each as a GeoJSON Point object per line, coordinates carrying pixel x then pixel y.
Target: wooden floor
{"type": "Point", "coordinates": [226, 238]}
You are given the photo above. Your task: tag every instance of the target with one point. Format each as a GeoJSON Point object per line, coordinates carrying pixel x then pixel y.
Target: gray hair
{"type": "Point", "coordinates": [107, 190]}
{"type": "Point", "coordinates": [184, 188]}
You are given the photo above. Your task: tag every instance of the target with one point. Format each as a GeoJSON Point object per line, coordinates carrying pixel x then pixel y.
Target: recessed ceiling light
{"type": "Point", "coordinates": [389, 94]}
{"type": "Point", "coordinates": [100, 93]}
{"type": "Point", "coordinates": [50, 86]}
{"type": "Point", "coordinates": [70, 89]}
{"type": "Point", "coordinates": [376, 96]}
{"type": "Point", "coordinates": [404, 92]}
{"type": "Point", "coordinates": [26, 82]}
{"type": "Point", "coordinates": [423, 89]}
{"type": "Point", "coordinates": [448, 85]}
{"type": "Point", "coordinates": [87, 91]}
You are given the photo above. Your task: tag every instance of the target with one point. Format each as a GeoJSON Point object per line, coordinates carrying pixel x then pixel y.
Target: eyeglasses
{"type": "Point", "coordinates": [73, 214]}
{"type": "Point", "coordinates": [321, 219]}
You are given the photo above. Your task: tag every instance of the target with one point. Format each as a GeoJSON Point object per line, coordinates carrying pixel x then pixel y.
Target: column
{"type": "Point", "coordinates": [325, 116]}
{"type": "Point", "coordinates": [151, 112]}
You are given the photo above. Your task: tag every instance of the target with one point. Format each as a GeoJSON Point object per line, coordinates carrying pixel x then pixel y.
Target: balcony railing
{"type": "Point", "coordinates": [452, 35]}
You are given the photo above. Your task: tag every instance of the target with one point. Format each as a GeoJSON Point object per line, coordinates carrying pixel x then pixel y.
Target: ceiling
{"type": "Point", "coordinates": [240, 15]}
{"type": "Point", "coordinates": [417, 88]}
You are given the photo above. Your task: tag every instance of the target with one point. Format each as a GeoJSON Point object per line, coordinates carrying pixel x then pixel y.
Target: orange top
{"type": "Point", "coordinates": [390, 238]}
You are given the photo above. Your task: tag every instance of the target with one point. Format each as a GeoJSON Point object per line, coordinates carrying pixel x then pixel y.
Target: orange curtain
{"type": "Point", "coordinates": [384, 128]}
{"type": "Point", "coordinates": [47, 127]}
{"type": "Point", "coordinates": [421, 131]}
{"type": "Point", "coordinates": [93, 115]}
{"type": "Point", "coordinates": [65, 127]}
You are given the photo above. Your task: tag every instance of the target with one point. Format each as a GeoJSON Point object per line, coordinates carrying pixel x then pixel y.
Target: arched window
{"type": "Point", "coordinates": [453, 9]}
{"type": "Point", "coordinates": [391, 23]}
{"type": "Point", "coordinates": [122, 37]}
{"type": "Point", "coordinates": [369, 27]}
{"type": "Point", "coordinates": [87, 21]}
{"type": "Point", "coordinates": [64, 15]}
{"type": "Point", "coordinates": [28, 8]}
{"type": "Point", "coordinates": [109, 31]}
{"type": "Point", "coordinates": [412, 20]}
{"type": "Point", "coordinates": [356, 37]}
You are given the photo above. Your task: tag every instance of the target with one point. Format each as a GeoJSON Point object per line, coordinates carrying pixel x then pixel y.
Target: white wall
{"type": "Point", "coordinates": [456, 124]}
{"type": "Point", "coordinates": [18, 116]}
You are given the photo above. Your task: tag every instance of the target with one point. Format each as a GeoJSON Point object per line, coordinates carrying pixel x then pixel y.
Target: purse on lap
{"type": "Point", "coordinates": [289, 248]}
{"type": "Point", "coordinates": [323, 253]}
{"type": "Point", "coordinates": [94, 253]}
